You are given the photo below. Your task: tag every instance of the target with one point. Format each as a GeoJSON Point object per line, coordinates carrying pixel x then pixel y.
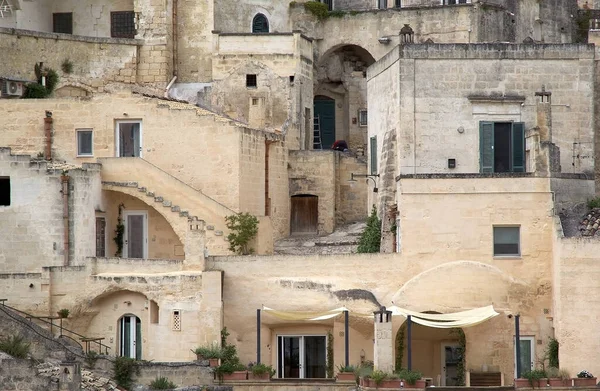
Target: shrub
{"type": "Point", "coordinates": [534, 375]}
{"type": "Point", "coordinates": [208, 352]}
{"type": "Point", "coordinates": [378, 376]}
{"type": "Point", "coordinates": [230, 362]}
{"type": "Point", "coordinates": [346, 368]}
{"type": "Point", "coordinates": [243, 227]}
{"type": "Point", "coordinates": [162, 383]}
{"type": "Point", "coordinates": [552, 352]}
{"type": "Point", "coordinates": [329, 367]}
{"type": "Point", "coordinates": [261, 369]}
{"type": "Point", "coordinates": [90, 359]}
{"type": "Point", "coordinates": [318, 9]}
{"type": "Point", "coordinates": [370, 239]}
{"type": "Point", "coordinates": [15, 346]}
{"type": "Point", "coordinates": [594, 203]}
{"type": "Point", "coordinates": [124, 369]}
{"type": "Point", "coordinates": [67, 66]}
{"type": "Point", "coordinates": [64, 313]}
{"type": "Point", "coordinates": [411, 377]}
{"type": "Point", "coordinates": [337, 14]}
{"type": "Point", "coordinates": [35, 91]}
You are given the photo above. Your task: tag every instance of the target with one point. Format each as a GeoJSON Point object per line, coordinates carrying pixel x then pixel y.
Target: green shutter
{"type": "Point", "coordinates": [518, 147]}
{"type": "Point", "coordinates": [486, 146]}
{"type": "Point", "coordinates": [373, 155]}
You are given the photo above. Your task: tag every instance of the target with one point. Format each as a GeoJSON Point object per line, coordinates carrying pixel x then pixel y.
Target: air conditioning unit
{"type": "Point", "coordinates": [12, 88]}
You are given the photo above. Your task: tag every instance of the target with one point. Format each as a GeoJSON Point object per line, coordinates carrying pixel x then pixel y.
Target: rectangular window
{"type": "Point", "coordinates": [382, 4]}
{"type": "Point", "coordinates": [4, 191]}
{"type": "Point", "coordinates": [362, 117]}
{"type": "Point", "coordinates": [85, 142]}
{"type": "Point", "coordinates": [62, 22]}
{"type": "Point", "coordinates": [100, 237]}
{"type": "Point", "coordinates": [122, 24]}
{"type": "Point", "coordinates": [502, 146]}
{"type": "Point", "coordinates": [251, 81]}
{"type": "Point", "coordinates": [507, 241]}
{"type": "Point", "coordinates": [398, 3]}
{"type": "Point", "coordinates": [128, 139]}
{"type": "Point", "coordinates": [373, 154]}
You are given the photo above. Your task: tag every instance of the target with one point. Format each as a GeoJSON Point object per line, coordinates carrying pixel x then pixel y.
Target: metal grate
{"type": "Point", "coordinates": [122, 24]}
{"type": "Point", "coordinates": [176, 320]}
{"type": "Point", "coordinates": [100, 237]}
{"type": "Point", "coordinates": [62, 22]}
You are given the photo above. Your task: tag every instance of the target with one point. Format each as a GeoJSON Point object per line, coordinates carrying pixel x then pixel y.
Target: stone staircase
{"type": "Point", "coordinates": [180, 204]}
{"type": "Point", "coordinates": [344, 240]}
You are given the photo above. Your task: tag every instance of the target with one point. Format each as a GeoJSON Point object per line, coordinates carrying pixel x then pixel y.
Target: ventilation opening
{"type": "Point", "coordinates": [250, 80]}
{"type": "Point", "coordinates": [176, 320]}
{"type": "Point", "coordinates": [154, 319]}
{"type": "Point", "coordinates": [4, 191]}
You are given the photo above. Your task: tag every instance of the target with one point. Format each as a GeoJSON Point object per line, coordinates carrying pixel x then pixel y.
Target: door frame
{"type": "Point", "coordinates": [531, 339]}
{"type": "Point", "coordinates": [144, 213]}
{"type": "Point", "coordinates": [132, 332]}
{"type": "Point", "coordinates": [302, 358]}
{"type": "Point", "coordinates": [117, 138]}
{"type": "Point", "coordinates": [443, 346]}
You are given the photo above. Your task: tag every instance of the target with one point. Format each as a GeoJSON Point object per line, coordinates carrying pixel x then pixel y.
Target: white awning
{"type": "Point", "coordinates": [305, 315]}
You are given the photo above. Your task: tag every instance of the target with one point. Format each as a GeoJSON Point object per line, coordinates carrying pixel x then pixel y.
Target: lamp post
{"type": "Point", "coordinates": [368, 176]}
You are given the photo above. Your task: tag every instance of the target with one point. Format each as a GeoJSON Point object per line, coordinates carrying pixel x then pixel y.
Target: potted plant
{"type": "Point", "coordinates": [231, 371]}
{"type": "Point", "coordinates": [261, 371]}
{"type": "Point", "coordinates": [584, 379]}
{"type": "Point", "coordinates": [363, 372]}
{"type": "Point", "coordinates": [536, 378]}
{"type": "Point", "coordinates": [211, 353]}
{"type": "Point", "coordinates": [64, 313]}
{"type": "Point", "coordinates": [558, 377]}
{"type": "Point", "coordinates": [382, 379]}
{"type": "Point", "coordinates": [412, 379]}
{"type": "Point", "coordinates": [346, 373]}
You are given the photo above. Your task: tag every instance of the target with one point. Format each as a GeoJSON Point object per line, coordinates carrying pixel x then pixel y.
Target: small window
{"type": "Point", "coordinates": [254, 101]}
{"type": "Point", "coordinates": [4, 191]}
{"type": "Point", "coordinates": [251, 81]}
{"type": "Point", "coordinates": [122, 24]}
{"type": "Point", "coordinates": [382, 4]}
{"type": "Point", "coordinates": [507, 241]}
{"type": "Point", "coordinates": [260, 24]}
{"type": "Point", "coordinates": [85, 142]}
{"type": "Point", "coordinates": [62, 23]}
{"type": "Point", "coordinates": [362, 117]}
{"type": "Point", "coordinates": [398, 3]}
{"type": "Point", "coordinates": [100, 237]}
{"type": "Point", "coordinates": [373, 153]}
{"type": "Point", "coordinates": [176, 320]}
{"type": "Point", "coordinates": [154, 312]}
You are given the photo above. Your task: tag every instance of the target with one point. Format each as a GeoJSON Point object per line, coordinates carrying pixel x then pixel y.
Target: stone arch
{"type": "Point", "coordinates": [72, 90]}
{"type": "Point", "coordinates": [260, 23]}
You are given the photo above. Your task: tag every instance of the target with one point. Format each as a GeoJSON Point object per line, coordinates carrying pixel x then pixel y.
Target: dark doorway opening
{"type": "Point", "coordinates": [4, 191]}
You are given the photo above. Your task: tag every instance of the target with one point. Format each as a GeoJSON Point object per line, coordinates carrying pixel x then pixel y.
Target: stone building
{"type": "Point", "coordinates": [474, 121]}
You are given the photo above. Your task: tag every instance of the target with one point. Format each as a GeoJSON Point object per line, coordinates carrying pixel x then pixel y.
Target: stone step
{"type": "Point", "coordinates": [167, 203]}
{"type": "Point", "coordinates": [184, 213]}
{"type": "Point", "coordinates": [142, 189]}
{"type": "Point", "coordinates": [218, 233]}
{"type": "Point", "coordinates": [158, 199]}
{"type": "Point", "coordinates": [175, 208]}
{"type": "Point", "coordinates": [150, 194]}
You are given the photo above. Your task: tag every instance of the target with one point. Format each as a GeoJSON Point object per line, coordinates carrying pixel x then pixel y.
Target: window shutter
{"type": "Point", "coordinates": [486, 146]}
{"type": "Point", "coordinates": [373, 155]}
{"type": "Point", "coordinates": [518, 147]}
{"type": "Point", "coordinates": [260, 24]}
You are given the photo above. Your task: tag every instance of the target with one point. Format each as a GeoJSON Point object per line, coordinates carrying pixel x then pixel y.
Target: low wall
{"type": "Point", "coordinates": [21, 375]}
{"type": "Point", "coordinates": [126, 265]}
{"type": "Point", "coordinates": [287, 386]}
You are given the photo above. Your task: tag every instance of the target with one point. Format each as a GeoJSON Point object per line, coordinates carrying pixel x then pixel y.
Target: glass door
{"type": "Point", "coordinates": [526, 354]}
{"type": "Point", "coordinates": [130, 329]}
{"type": "Point", "coordinates": [300, 357]}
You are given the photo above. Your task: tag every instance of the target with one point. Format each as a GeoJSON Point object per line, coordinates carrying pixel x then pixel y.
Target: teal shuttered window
{"type": "Point", "coordinates": [501, 147]}
{"type": "Point", "coordinates": [373, 155]}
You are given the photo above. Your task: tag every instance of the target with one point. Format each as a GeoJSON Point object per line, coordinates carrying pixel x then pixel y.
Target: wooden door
{"type": "Point", "coordinates": [305, 214]}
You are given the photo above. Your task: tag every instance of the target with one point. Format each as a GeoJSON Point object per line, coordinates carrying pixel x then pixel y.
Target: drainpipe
{"type": "Point", "coordinates": [175, 44]}
{"type": "Point", "coordinates": [64, 178]}
{"type": "Point", "coordinates": [267, 200]}
{"type": "Point", "coordinates": [48, 122]}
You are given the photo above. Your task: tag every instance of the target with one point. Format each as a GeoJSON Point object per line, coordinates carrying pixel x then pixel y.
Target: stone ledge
{"type": "Point", "coordinates": [467, 175]}
{"type": "Point", "coordinates": [70, 37]}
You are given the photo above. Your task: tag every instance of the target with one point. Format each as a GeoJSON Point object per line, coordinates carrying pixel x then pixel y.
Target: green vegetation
{"type": "Point", "coordinates": [462, 346]}
{"type": "Point", "coordinates": [230, 362]}
{"type": "Point", "coordinates": [162, 383]}
{"type": "Point", "coordinates": [208, 352]}
{"type": "Point", "coordinates": [534, 376]}
{"type": "Point", "coordinates": [337, 14]}
{"type": "Point", "coordinates": [411, 377]}
{"type": "Point", "coordinates": [243, 227]}
{"type": "Point", "coordinates": [90, 359]}
{"type": "Point", "coordinates": [582, 22]}
{"type": "Point", "coordinates": [329, 354]}
{"type": "Point", "coordinates": [15, 346]}
{"type": "Point", "coordinates": [318, 9]}
{"type": "Point", "coordinates": [260, 369]}
{"type": "Point", "coordinates": [63, 313]}
{"type": "Point", "coordinates": [400, 347]}
{"type": "Point", "coordinates": [124, 368]}
{"type": "Point", "coordinates": [346, 368]}
{"type": "Point", "coordinates": [552, 352]}
{"type": "Point", "coordinates": [370, 239]}
{"type": "Point", "coordinates": [119, 232]}
{"type": "Point", "coordinates": [67, 66]}
{"type": "Point", "coordinates": [38, 90]}
{"type": "Point", "coordinates": [594, 203]}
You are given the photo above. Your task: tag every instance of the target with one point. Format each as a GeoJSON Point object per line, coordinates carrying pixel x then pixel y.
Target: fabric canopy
{"type": "Point", "coordinates": [443, 321]}
{"type": "Point", "coordinates": [305, 315]}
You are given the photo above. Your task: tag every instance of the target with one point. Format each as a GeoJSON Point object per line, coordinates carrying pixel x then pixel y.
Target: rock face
{"type": "Point", "coordinates": [89, 381]}
{"type": "Point", "coordinates": [590, 223]}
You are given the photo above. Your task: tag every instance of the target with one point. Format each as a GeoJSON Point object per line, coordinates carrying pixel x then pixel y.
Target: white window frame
{"type": "Point", "coordinates": [360, 123]}
{"type": "Point", "coordinates": [144, 213]}
{"type": "Point", "coordinates": [77, 133]}
{"type": "Point", "coordinates": [379, 4]}
{"type": "Point", "coordinates": [127, 121]}
{"type": "Point", "coordinates": [518, 255]}
{"type": "Point", "coordinates": [302, 364]}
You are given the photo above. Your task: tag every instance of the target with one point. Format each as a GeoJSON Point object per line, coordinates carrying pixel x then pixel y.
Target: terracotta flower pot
{"type": "Point", "coordinates": [584, 382]}
{"type": "Point", "coordinates": [558, 382]}
{"type": "Point", "coordinates": [237, 375]}
{"type": "Point", "coordinates": [392, 383]}
{"type": "Point", "coordinates": [346, 377]}
{"type": "Point", "coordinates": [261, 377]}
{"type": "Point", "coordinates": [522, 383]}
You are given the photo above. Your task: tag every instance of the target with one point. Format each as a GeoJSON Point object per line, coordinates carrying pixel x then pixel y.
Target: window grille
{"type": "Point", "coordinates": [62, 23]}
{"type": "Point", "coordinates": [122, 24]}
{"type": "Point", "coordinates": [176, 320]}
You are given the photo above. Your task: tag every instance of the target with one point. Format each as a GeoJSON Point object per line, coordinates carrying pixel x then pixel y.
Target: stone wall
{"type": "Point", "coordinates": [195, 42]}
{"type": "Point", "coordinates": [351, 197]}
{"type": "Point", "coordinates": [90, 18]}
{"type": "Point", "coordinates": [96, 61]}
{"type": "Point", "coordinates": [22, 375]}
{"type": "Point", "coordinates": [237, 17]}
{"type": "Point", "coordinates": [439, 77]}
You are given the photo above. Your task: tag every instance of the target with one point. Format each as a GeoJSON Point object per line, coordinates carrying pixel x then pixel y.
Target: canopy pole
{"type": "Point", "coordinates": [346, 339]}
{"type": "Point", "coordinates": [518, 346]}
{"type": "Point", "coordinates": [408, 335]}
{"type": "Point", "coordinates": [258, 336]}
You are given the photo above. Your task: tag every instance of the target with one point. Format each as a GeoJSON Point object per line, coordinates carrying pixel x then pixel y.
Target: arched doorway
{"type": "Point", "coordinates": [324, 122]}
{"type": "Point", "coordinates": [305, 214]}
{"type": "Point", "coordinates": [260, 24]}
{"type": "Point", "coordinates": [130, 337]}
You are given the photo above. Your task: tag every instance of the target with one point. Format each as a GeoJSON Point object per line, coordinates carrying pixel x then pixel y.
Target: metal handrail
{"type": "Point", "coordinates": [51, 323]}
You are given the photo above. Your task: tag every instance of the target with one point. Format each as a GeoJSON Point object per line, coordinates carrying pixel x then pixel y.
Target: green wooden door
{"type": "Point", "coordinates": [325, 110]}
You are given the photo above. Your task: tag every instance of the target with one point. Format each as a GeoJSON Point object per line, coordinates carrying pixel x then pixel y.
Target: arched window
{"type": "Point", "coordinates": [260, 24]}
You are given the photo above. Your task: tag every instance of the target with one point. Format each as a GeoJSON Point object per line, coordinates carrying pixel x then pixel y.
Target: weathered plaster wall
{"type": "Point", "coordinates": [34, 16]}
{"type": "Point", "coordinates": [21, 375]}
{"type": "Point", "coordinates": [195, 43]}
{"type": "Point", "coordinates": [351, 198]}
{"type": "Point", "coordinates": [89, 17]}
{"type": "Point", "coordinates": [431, 88]}
{"type": "Point", "coordinates": [237, 17]}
